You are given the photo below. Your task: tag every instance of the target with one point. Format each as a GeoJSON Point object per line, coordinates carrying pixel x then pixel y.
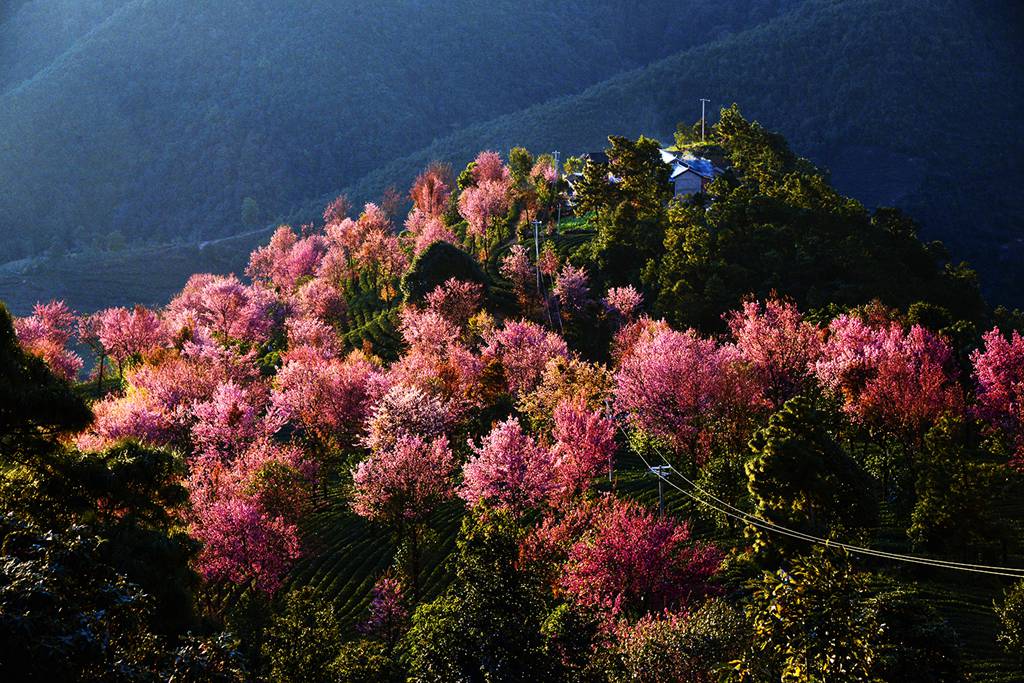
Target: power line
{"type": "Point", "coordinates": [736, 513]}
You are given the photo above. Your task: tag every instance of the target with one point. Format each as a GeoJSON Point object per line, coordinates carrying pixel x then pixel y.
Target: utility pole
{"type": "Point", "coordinates": [558, 194]}
{"type": "Point", "coordinates": [536, 251]}
{"type": "Point", "coordinates": [661, 471]}
{"type": "Point", "coordinates": [703, 102]}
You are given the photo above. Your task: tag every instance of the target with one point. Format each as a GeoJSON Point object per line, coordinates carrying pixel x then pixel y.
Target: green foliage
{"type": "Point", "coordinates": [35, 405]}
{"type": "Point", "coordinates": [487, 626]}
{"type": "Point", "coordinates": [1011, 616]}
{"type": "Point", "coordinates": [364, 661]}
{"type": "Point", "coordinates": [800, 478]}
{"type": "Point", "coordinates": [436, 264]}
{"type": "Point", "coordinates": [302, 641]}
{"type": "Point", "coordinates": [776, 224]}
{"type": "Point", "coordinates": [914, 643]}
{"type": "Point", "coordinates": [630, 212]}
{"type": "Point", "coordinates": [697, 647]}
{"type": "Point", "coordinates": [954, 490]}
{"type": "Point", "coordinates": [811, 624]}
{"type": "Point", "coordinates": [67, 615]}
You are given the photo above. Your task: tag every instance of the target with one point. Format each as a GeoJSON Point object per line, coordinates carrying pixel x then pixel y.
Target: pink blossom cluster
{"type": "Point", "coordinates": [999, 374]}
{"type": "Point", "coordinates": [622, 304]}
{"type": "Point", "coordinates": [46, 334]}
{"type": "Point", "coordinates": [890, 378]}
{"type": "Point", "coordinates": [523, 348]}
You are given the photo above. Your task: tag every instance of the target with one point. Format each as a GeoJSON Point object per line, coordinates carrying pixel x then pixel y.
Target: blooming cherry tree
{"type": "Point", "coordinates": [400, 486]}
{"type": "Point", "coordinates": [890, 379]}
{"type": "Point", "coordinates": [999, 373]}
{"type": "Point", "coordinates": [524, 348]}
{"type": "Point", "coordinates": [584, 445]}
{"type": "Point", "coordinates": [633, 561]}
{"type": "Point", "coordinates": [509, 469]}
{"type": "Point", "coordinates": [778, 345]}
{"type": "Point", "coordinates": [46, 334]}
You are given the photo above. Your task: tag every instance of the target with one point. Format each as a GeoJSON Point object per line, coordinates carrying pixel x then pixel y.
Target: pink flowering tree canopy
{"type": "Point", "coordinates": [899, 381]}
{"type": "Point", "coordinates": [999, 374]}
{"type": "Point", "coordinates": [632, 562]}
{"type": "Point", "coordinates": [524, 348]}
{"type": "Point", "coordinates": [584, 444]}
{"type": "Point", "coordinates": [508, 469]}
{"type": "Point", "coordinates": [779, 346]}
{"type": "Point", "coordinates": [46, 334]}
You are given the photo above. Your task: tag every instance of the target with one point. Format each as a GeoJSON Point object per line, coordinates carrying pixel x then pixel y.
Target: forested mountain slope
{"type": "Point", "coordinates": [158, 119]}
{"type": "Point", "coordinates": [908, 104]}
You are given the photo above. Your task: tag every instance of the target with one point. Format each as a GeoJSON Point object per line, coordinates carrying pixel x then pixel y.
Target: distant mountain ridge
{"type": "Point", "coordinates": [157, 119]}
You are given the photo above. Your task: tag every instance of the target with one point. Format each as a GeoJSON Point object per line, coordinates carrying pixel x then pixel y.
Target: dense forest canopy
{"type": "Point", "coordinates": [133, 121]}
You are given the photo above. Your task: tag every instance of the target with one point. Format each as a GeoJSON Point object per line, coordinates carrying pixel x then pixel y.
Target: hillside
{"type": "Point", "coordinates": [877, 92]}
{"type": "Point", "coordinates": [883, 94]}
{"type": "Point", "coordinates": [155, 120]}
{"type": "Point", "coordinates": [427, 456]}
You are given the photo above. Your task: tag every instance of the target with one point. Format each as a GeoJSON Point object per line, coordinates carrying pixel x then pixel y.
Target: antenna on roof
{"type": "Point", "coordinates": [703, 101]}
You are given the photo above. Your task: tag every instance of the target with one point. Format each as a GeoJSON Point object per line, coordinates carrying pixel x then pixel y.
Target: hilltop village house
{"type": "Point", "coordinates": [688, 174]}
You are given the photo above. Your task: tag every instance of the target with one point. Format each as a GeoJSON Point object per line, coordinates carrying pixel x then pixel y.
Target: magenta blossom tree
{"type": "Point", "coordinates": [516, 267]}
{"type": "Point", "coordinates": [676, 385]}
{"type": "Point", "coordinates": [622, 304]}
{"type": "Point", "coordinates": [778, 345]}
{"type": "Point", "coordinates": [572, 288]}
{"type": "Point", "coordinates": [524, 348]}
{"type": "Point", "coordinates": [389, 616]}
{"type": "Point", "coordinates": [584, 445]}
{"type": "Point", "coordinates": [46, 334]}
{"type": "Point", "coordinates": [400, 486]}
{"type": "Point", "coordinates": [632, 562]}
{"type": "Point", "coordinates": [509, 469]}
{"type": "Point", "coordinates": [456, 300]}
{"type": "Point", "coordinates": [127, 335]}
{"type": "Point", "coordinates": [999, 373]}
{"type": "Point", "coordinates": [890, 379]}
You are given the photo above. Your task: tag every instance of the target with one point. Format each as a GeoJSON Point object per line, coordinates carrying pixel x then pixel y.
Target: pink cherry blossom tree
{"type": "Point", "coordinates": [509, 469]}
{"type": "Point", "coordinates": [516, 267]}
{"type": "Point", "coordinates": [337, 210]}
{"type": "Point", "coordinates": [426, 229]}
{"type": "Point", "coordinates": [287, 259]}
{"type": "Point", "coordinates": [632, 562]}
{"type": "Point", "coordinates": [572, 289]}
{"type": "Point", "coordinates": [584, 445]}
{"type": "Point", "coordinates": [405, 411]}
{"type": "Point", "coordinates": [622, 304]}
{"type": "Point", "coordinates": [671, 384]}
{"type": "Point", "coordinates": [890, 379]}
{"type": "Point", "coordinates": [389, 616]}
{"type": "Point", "coordinates": [999, 373]}
{"type": "Point", "coordinates": [225, 308]}
{"type": "Point", "coordinates": [431, 190]}
{"type": "Point", "coordinates": [400, 486]}
{"type": "Point", "coordinates": [329, 398]}
{"type": "Point", "coordinates": [523, 348]}
{"type": "Point", "coordinates": [456, 300]}
{"type": "Point", "coordinates": [46, 334]}
{"type": "Point", "coordinates": [779, 346]}
{"type": "Point", "coordinates": [126, 335]}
